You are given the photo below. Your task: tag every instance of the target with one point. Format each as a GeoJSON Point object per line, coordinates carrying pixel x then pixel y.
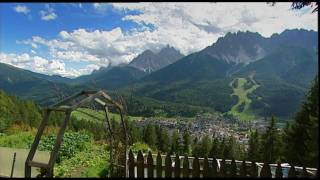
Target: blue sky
{"type": "Point", "coordinates": [72, 39]}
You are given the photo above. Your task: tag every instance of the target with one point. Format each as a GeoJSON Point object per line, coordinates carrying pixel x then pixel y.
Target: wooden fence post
{"type": "Point", "coordinates": [168, 166]}
{"type": "Point", "coordinates": [214, 169]}
{"type": "Point", "coordinates": [140, 165]}
{"type": "Point", "coordinates": [292, 172]}
{"type": "Point", "coordinates": [205, 167]}
{"type": "Point", "coordinates": [243, 169]}
{"type": "Point", "coordinates": [223, 172]}
{"type": "Point", "coordinates": [150, 165]}
{"type": "Point", "coordinates": [265, 171]}
{"type": "Point", "coordinates": [195, 168]}
{"type": "Point", "coordinates": [13, 163]}
{"type": "Point", "coordinates": [131, 164]}
{"type": "Point", "coordinates": [177, 167]}
{"type": "Point", "coordinates": [254, 169]}
{"type": "Point", "coordinates": [159, 165]}
{"type": "Point", "coordinates": [304, 172]}
{"type": "Point", "coordinates": [233, 168]}
{"type": "Point", "coordinates": [185, 171]}
{"type": "Point", "coordinates": [279, 173]}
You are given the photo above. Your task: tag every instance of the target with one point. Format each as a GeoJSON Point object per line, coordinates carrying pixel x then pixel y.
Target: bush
{"type": "Point", "coordinates": [72, 142]}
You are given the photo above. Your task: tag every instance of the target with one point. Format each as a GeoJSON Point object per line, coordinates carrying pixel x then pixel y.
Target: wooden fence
{"type": "Point", "coordinates": [152, 165]}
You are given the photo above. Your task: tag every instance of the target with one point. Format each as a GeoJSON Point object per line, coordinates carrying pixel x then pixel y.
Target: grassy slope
{"type": "Point", "coordinates": [242, 93]}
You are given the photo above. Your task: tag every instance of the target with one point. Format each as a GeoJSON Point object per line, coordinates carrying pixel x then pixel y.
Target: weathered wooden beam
{"type": "Point", "coordinates": [67, 99]}
{"type": "Point", "coordinates": [57, 144]}
{"type": "Point", "coordinates": [36, 143]}
{"type": "Point", "coordinates": [38, 164]}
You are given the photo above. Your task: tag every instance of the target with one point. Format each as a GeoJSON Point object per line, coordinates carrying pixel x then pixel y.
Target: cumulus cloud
{"type": "Point", "coordinates": [48, 14]}
{"type": "Point", "coordinates": [39, 64]}
{"type": "Point", "coordinates": [21, 9]}
{"type": "Point", "coordinates": [189, 27]}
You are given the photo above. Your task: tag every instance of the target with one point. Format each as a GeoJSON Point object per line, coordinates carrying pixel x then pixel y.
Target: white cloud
{"type": "Point", "coordinates": [188, 27]}
{"type": "Point", "coordinates": [48, 14]}
{"type": "Point", "coordinates": [39, 64]}
{"type": "Point", "coordinates": [22, 9]}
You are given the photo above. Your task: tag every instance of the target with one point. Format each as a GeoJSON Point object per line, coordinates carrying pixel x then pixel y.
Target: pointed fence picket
{"type": "Point", "coordinates": [169, 166]}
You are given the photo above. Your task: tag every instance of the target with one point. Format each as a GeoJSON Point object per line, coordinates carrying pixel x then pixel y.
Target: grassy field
{"type": "Point", "coordinates": [6, 157]}
{"type": "Point", "coordinates": [242, 93]}
{"type": "Point", "coordinates": [81, 113]}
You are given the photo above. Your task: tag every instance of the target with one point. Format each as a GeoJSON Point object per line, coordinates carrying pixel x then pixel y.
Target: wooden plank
{"type": "Point", "coordinates": [222, 170]}
{"type": "Point", "coordinates": [214, 168]}
{"type": "Point", "coordinates": [292, 172]}
{"type": "Point", "coordinates": [140, 167]}
{"type": "Point", "coordinates": [196, 168]}
{"type": "Point", "coordinates": [177, 167]}
{"type": "Point", "coordinates": [13, 163]}
{"type": "Point", "coordinates": [168, 167]}
{"type": "Point", "coordinates": [254, 169]}
{"type": "Point", "coordinates": [131, 164]}
{"type": "Point", "coordinates": [243, 169]}
{"type": "Point", "coordinates": [279, 173]}
{"type": "Point", "coordinates": [265, 171]}
{"type": "Point", "coordinates": [67, 99]}
{"type": "Point", "coordinates": [150, 165]}
{"type": "Point", "coordinates": [38, 164]}
{"type": "Point", "coordinates": [185, 170]}
{"type": "Point", "coordinates": [35, 143]}
{"type": "Point", "coordinates": [159, 165]}
{"type": "Point", "coordinates": [304, 172]}
{"type": "Point", "coordinates": [57, 144]}
{"type": "Point", "coordinates": [205, 171]}
{"type": "Point", "coordinates": [233, 168]}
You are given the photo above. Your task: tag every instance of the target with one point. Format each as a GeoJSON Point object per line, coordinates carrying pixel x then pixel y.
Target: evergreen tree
{"type": "Point", "coordinates": [254, 147]}
{"type": "Point", "coordinates": [165, 147]}
{"type": "Point", "coordinates": [221, 148]}
{"type": "Point", "coordinates": [186, 143]}
{"type": "Point", "coordinates": [271, 143]}
{"type": "Point", "coordinates": [303, 135]}
{"type": "Point", "coordinates": [175, 144]}
{"type": "Point", "coordinates": [205, 146]}
{"type": "Point", "coordinates": [149, 135]}
{"type": "Point", "coordinates": [214, 148]}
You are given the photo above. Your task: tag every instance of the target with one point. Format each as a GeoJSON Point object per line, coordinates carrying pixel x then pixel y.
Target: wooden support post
{"type": "Point", "coordinates": [140, 167]}
{"type": "Point", "coordinates": [195, 168]}
{"type": "Point", "coordinates": [27, 171]}
{"type": "Point", "coordinates": [13, 163]}
{"type": "Point", "coordinates": [150, 165]}
{"type": "Point", "coordinates": [205, 167]}
{"type": "Point", "coordinates": [159, 166]}
{"type": "Point", "coordinates": [168, 168]}
{"type": "Point", "coordinates": [243, 169]}
{"type": "Point", "coordinates": [185, 170]}
{"type": "Point", "coordinates": [131, 164]}
{"type": "Point", "coordinates": [57, 144]}
{"type": "Point", "coordinates": [214, 169]}
{"type": "Point", "coordinates": [177, 167]}
{"type": "Point", "coordinates": [279, 173]}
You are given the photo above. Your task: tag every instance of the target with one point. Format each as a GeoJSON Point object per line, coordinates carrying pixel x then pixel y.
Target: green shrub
{"type": "Point", "coordinates": [72, 142]}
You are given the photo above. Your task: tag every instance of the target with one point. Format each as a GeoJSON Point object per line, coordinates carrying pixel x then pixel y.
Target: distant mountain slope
{"type": "Point", "coordinates": [284, 76]}
{"type": "Point", "coordinates": [247, 47]}
{"type": "Point", "coordinates": [284, 71]}
{"type": "Point", "coordinates": [149, 61]}
{"type": "Point", "coordinates": [30, 85]}
{"type": "Point", "coordinates": [115, 77]}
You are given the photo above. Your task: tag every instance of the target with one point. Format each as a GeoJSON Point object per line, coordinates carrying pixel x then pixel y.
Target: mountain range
{"type": "Point", "coordinates": [276, 71]}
